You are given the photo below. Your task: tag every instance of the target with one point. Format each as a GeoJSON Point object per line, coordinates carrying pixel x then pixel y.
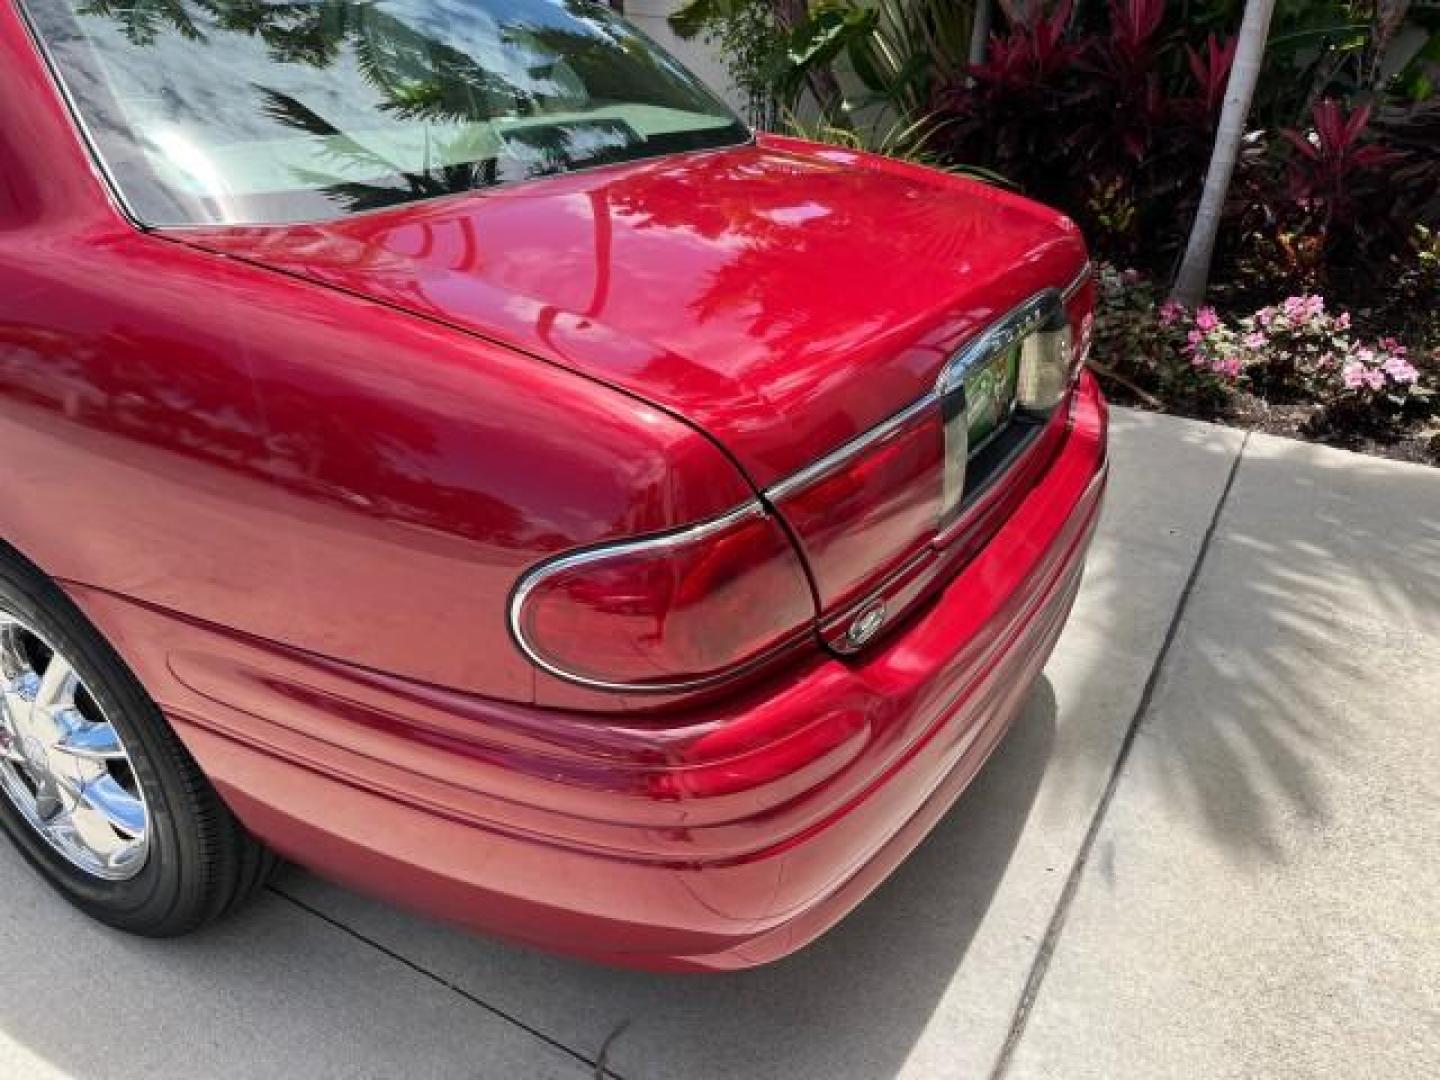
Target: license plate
{"type": "Point", "coordinates": [990, 397]}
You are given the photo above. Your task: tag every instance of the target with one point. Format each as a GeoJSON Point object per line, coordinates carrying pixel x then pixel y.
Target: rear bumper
{"type": "Point", "coordinates": [725, 838]}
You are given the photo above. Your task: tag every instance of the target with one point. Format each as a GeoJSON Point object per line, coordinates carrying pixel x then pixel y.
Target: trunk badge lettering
{"type": "Point", "coordinates": [866, 625]}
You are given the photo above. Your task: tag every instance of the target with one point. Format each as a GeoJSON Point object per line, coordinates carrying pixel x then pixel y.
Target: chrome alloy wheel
{"type": "Point", "coordinates": [63, 764]}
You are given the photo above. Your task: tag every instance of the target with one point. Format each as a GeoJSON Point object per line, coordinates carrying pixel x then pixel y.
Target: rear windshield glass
{"type": "Point", "coordinates": [229, 111]}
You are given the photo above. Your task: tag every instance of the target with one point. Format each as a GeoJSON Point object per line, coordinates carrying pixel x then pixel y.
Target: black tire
{"type": "Point", "coordinates": [201, 863]}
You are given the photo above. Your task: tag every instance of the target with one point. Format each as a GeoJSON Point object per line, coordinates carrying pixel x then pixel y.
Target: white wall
{"type": "Point", "coordinates": [705, 61]}
{"type": "Point", "coordinates": [649, 15]}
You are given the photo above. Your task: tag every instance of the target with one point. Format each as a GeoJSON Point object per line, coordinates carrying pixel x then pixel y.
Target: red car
{"type": "Point", "coordinates": [441, 445]}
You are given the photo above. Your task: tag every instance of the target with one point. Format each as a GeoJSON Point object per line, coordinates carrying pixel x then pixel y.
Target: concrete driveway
{"type": "Point", "coordinates": [1209, 848]}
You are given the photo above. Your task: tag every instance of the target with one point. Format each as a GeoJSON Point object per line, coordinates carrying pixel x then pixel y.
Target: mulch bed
{"type": "Point", "coordinates": [1418, 443]}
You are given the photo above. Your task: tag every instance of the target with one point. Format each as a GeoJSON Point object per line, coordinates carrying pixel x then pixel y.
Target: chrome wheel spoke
{"type": "Point", "coordinates": [91, 828]}
{"type": "Point", "coordinates": [122, 810]}
{"type": "Point", "coordinates": [91, 742]}
{"type": "Point", "coordinates": [127, 859]}
{"type": "Point", "coordinates": [63, 764]}
{"type": "Point", "coordinates": [18, 681]}
{"type": "Point", "coordinates": [12, 657]}
{"type": "Point", "coordinates": [17, 713]}
{"type": "Point", "coordinates": [57, 686]}
{"type": "Point", "coordinates": [49, 805]}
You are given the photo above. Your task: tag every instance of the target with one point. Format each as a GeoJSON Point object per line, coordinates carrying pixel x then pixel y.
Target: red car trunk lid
{"type": "Point", "coordinates": [781, 296]}
{"type": "Point", "coordinates": [785, 298]}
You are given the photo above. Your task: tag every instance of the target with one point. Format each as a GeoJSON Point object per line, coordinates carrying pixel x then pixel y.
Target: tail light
{"type": "Point", "coordinates": [1046, 367]}
{"type": "Point", "coordinates": [865, 509]}
{"type": "Point", "coordinates": [870, 516]}
{"type": "Point", "coordinates": [670, 612]}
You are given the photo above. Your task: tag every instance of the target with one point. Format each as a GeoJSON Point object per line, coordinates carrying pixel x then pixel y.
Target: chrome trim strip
{"type": "Point", "coordinates": [959, 362]}
{"type": "Point", "coordinates": [536, 575]}
{"type": "Point", "coordinates": [1021, 320]}
{"type": "Point", "coordinates": [799, 481]}
{"type": "Point", "coordinates": [956, 451]}
{"type": "Point", "coordinates": [1078, 282]}
{"type": "Point", "coordinates": [1038, 312]}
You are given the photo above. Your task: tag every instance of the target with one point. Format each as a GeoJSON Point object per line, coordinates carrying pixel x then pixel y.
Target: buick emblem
{"type": "Point", "coordinates": [867, 624]}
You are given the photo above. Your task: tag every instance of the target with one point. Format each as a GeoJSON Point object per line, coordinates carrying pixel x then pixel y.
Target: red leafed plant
{"type": "Point", "coordinates": [1131, 103]}
{"type": "Point", "coordinates": [1034, 52]}
{"type": "Point", "coordinates": [1101, 116]}
{"type": "Point", "coordinates": [1329, 165]}
{"type": "Point", "coordinates": [1335, 210]}
{"type": "Point", "coordinates": [1110, 113]}
{"type": "Point", "coordinates": [1211, 72]}
{"type": "Point", "coordinates": [1010, 110]}
{"type": "Point", "coordinates": [1132, 47]}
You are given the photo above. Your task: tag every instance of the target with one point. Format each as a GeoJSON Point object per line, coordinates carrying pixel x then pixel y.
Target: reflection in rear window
{"type": "Point", "coordinates": [229, 111]}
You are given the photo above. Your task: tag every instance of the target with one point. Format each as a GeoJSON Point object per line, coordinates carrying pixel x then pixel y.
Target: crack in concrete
{"type": "Point", "coordinates": [1041, 964]}
{"type": "Point", "coordinates": [597, 1064]}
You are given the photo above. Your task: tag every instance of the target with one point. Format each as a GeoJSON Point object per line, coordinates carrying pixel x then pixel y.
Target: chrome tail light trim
{"type": "Point", "coordinates": [1042, 308]}
{"type": "Point", "coordinates": [1043, 313]}
{"type": "Point", "coordinates": [1034, 321]}
{"type": "Point", "coordinates": [599, 552]}
{"type": "Point", "coordinates": [861, 444]}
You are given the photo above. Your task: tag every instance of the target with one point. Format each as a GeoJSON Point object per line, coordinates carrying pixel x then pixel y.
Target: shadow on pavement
{"type": "Point", "coordinates": [1322, 573]}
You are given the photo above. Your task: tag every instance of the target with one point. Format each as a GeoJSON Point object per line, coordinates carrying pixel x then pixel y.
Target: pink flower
{"type": "Point", "coordinates": [1375, 379]}
{"type": "Point", "coordinates": [1399, 369]}
{"type": "Point", "coordinates": [1206, 319]}
{"type": "Point", "coordinates": [1353, 375]}
{"type": "Point", "coordinates": [1264, 317]}
{"type": "Point", "coordinates": [1342, 321]}
{"type": "Point", "coordinates": [1171, 312]}
{"type": "Point", "coordinates": [1301, 309]}
{"type": "Point", "coordinates": [1255, 340]}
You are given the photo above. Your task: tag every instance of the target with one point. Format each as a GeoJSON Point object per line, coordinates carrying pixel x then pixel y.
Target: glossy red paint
{"type": "Point", "coordinates": [294, 474]}
{"type": "Point", "coordinates": [783, 297]}
{"type": "Point", "coordinates": [722, 838]}
{"type": "Point", "coordinates": [288, 461]}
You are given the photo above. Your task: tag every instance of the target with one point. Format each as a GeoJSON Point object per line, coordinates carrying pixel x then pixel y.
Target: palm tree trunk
{"type": "Point", "coordinates": [979, 31]}
{"type": "Point", "coordinates": [1194, 271]}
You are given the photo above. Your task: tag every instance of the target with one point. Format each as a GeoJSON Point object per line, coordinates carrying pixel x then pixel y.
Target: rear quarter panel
{"type": "Point", "coordinates": [229, 444]}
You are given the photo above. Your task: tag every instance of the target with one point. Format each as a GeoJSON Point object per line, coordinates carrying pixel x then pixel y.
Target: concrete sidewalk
{"type": "Point", "coordinates": [1209, 848]}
